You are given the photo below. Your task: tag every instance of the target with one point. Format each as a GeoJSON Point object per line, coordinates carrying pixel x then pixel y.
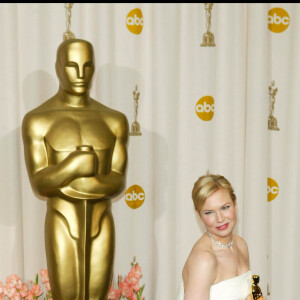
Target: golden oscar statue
{"type": "Point", "coordinates": [76, 155]}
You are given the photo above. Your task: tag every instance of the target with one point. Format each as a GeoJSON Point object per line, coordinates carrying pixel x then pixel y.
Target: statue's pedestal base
{"type": "Point", "coordinates": [208, 40]}
{"type": "Point", "coordinates": [135, 129]}
{"type": "Point", "coordinates": [272, 123]}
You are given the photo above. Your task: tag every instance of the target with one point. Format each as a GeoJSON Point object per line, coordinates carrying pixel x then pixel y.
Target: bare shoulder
{"type": "Point", "coordinates": [200, 271]}
{"type": "Point", "coordinates": [241, 243]}
{"type": "Point", "coordinates": [201, 261]}
{"type": "Point", "coordinates": [242, 248]}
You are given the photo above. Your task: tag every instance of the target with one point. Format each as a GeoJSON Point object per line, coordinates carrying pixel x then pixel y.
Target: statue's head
{"type": "Point", "coordinates": [75, 66]}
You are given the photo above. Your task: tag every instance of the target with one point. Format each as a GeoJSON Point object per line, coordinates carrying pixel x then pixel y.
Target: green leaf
{"type": "Point", "coordinates": [141, 289]}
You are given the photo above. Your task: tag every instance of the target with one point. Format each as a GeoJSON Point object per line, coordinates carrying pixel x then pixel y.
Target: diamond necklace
{"type": "Point", "coordinates": [218, 243]}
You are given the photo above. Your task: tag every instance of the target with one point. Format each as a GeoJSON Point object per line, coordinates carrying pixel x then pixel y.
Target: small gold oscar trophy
{"type": "Point", "coordinates": [255, 289]}
{"type": "Point", "coordinates": [272, 122]}
{"type": "Point", "coordinates": [208, 37]}
{"type": "Point", "coordinates": [135, 126]}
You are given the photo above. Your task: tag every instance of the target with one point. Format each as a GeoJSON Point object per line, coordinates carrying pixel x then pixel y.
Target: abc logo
{"type": "Point", "coordinates": [134, 196]}
{"type": "Point", "coordinates": [135, 21]}
{"type": "Point", "coordinates": [205, 108]}
{"type": "Point", "coordinates": [273, 189]}
{"type": "Point", "coordinates": [278, 20]}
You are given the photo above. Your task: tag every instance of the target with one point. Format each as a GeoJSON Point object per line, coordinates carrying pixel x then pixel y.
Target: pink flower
{"type": "Point", "coordinates": [29, 296]}
{"type": "Point", "coordinates": [133, 282]}
{"type": "Point", "coordinates": [24, 290]}
{"type": "Point", "coordinates": [44, 275]}
{"type": "Point", "coordinates": [137, 271]}
{"type": "Point", "coordinates": [17, 296]}
{"type": "Point", "coordinates": [36, 289]}
{"type": "Point", "coordinates": [113, 294]}
{"type": "Point", "coordinates": [14, 281]}
{"type": "Point", "coordinates": [135, 287]}
{"type": "Point", "coordinates": [126, 290]}
{"type": "Point", "coordinates": [9, 291]}
{"type": "Point", "coordinates": [1, 288]}
{"type": "Point", "coordinates": [1, 297]}
{"type": "Point", "coordinates": [48, 287]}
{"type": "Point", "coordinates": [133, 297]}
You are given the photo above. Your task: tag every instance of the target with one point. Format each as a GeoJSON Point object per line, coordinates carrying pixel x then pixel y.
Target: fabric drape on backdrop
{"type": "Point", "coordinates": [200, 108]}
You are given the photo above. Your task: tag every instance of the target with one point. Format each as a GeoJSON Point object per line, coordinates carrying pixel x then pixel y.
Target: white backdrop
{"type": "Point", "coordinates": [172, 72]}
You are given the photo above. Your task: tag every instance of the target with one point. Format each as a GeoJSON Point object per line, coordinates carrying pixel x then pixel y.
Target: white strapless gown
{"type": "Point", "coordinates": [236, 288]}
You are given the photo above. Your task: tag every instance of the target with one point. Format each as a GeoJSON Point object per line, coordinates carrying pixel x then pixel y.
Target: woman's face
{"type": "Point", "coordinates": [219, 213]}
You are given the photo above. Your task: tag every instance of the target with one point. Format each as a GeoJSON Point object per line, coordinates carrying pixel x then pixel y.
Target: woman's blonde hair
{"type": "Point", "coordinates": [206, 185]}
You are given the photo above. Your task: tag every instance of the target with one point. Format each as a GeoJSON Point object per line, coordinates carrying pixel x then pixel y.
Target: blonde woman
{"type": "Point", "coordinates": [218, 265]}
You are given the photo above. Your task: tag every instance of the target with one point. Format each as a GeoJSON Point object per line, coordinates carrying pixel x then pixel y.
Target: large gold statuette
{"type": "Point", "coordinates": [76, 155]}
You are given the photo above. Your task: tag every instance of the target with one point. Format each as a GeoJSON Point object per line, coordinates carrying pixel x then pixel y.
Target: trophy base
{"type": "Point", "coordinates": [272, 123]}
{"type": "Point", "coordinates": [135, 129]}
{"type": "Point", "coordinates": [208, 40]}
{"type": "Point", "coordinates": [68, 35]}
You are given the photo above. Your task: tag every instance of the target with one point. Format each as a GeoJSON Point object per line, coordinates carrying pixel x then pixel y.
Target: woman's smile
{"type": "Point", "coordinates": [223, 227]}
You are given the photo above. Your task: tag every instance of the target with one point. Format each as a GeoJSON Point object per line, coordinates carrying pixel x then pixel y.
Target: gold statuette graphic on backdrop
{"type": "Point", "coordinates": [76, 155]}
{"type": "Point", "coordinates": [208, 37]}
{"type": "Point", "coordinates": [272, 121]}
{"type": "Point", "coordinates": [68, 34]}
{"type": "Point", "coordinates": [135, 126]}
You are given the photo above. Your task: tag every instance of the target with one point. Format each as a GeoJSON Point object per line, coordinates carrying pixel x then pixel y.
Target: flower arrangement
{"type": "Point", "coordinates": [129, 288]}
{"type": "Point", "coordinates": [15, 289]}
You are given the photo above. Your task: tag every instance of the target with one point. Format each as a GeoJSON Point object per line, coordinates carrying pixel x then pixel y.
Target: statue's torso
{"type": "Point", "coordinates": [64, 130]}
{"type": "Point", "coordinates": [71, 129]}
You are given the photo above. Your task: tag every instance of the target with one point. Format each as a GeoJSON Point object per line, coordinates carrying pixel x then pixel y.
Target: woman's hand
{"type": "Point", "coordinates": [249, 297]}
